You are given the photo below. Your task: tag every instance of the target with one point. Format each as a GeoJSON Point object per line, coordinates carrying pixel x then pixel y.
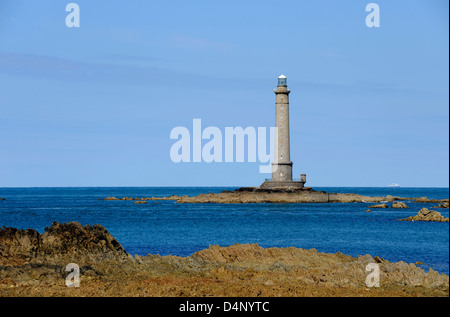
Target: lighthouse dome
{"type": "Point", "coordinates": [282, 81]}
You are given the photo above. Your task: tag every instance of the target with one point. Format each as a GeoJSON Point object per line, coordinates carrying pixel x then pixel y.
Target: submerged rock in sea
{"type": "Point", "coordinates": [126, 198]}
{"type": "Point", "coordinates": [442, 205]}
{"type": "Point", "coordinates": [427, 215]}
{"type": "Point", "coordinates": [400, 205]}
{"type": "Point", "coordinates": [2, 198]}
{"type": "Point", "coordinates": [427, 200]}
{"type": "Point", "coordinates": [111, 198]}
{"type": "Point", "coordinates": [379, 206]}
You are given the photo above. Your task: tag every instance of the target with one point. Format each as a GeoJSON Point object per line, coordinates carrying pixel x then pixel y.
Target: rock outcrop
{"type": "Point", "coordinates": [58, 240]}
{"type": "Point", "coordinates": [442, 205]}
{"type": "Point", "coordinates": [246, 195]}
{"type": "Point", "coordinates": [379, 206]}
{"type": "Point", "coordinates": [427, 215]}
{"type": "Point", "coordinates": [274, 195]}
{"type": "Point", "coordinates": [399, 205]}
{"type": "Point", "coordinates": [333, 270]}
{"type": "Point", "coordinates": [33, 264]}
{"type": "Point", "coordinates": [126, 198]}
{"type": "Point", "coordinates": [427, 200]}
{"type": "Point", "coordinates": [111, 198]}
{"type": "Point", "coordinates": [17, 244]}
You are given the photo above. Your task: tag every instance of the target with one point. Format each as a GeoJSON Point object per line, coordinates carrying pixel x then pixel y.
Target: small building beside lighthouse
{"type": "Point", "coordinates": [282, 164]}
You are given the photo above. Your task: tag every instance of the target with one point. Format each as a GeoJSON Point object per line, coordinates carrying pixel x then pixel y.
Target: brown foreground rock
{"type": "Point", "coordinates": [33, 264]}
{"type": "Point", "coordinates": [427, 215]}
{"type": "Point", "coordinates": [65, 240]}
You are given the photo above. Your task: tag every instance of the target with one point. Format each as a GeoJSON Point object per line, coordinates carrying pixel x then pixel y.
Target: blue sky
{"type": "Point", "coordinates": [94, 106]}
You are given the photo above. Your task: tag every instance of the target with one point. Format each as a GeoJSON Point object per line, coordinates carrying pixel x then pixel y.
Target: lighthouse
{"type": "Point", "coordinates": [282, 165]}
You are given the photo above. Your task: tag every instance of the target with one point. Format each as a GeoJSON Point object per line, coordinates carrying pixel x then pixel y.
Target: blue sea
{"type": "Point", "coordinates": [165, 227]}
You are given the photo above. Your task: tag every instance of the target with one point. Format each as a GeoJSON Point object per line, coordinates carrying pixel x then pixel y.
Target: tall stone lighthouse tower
{"type": "Point", "coordinates": [282, 165]}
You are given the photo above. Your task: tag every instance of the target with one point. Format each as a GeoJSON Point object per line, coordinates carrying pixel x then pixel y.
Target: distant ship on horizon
{"type": "Point", "coordinates": [394, 185]}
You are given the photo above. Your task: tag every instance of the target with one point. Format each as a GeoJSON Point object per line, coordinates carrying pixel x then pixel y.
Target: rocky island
{"type": "Point", "coordinates": [34, 264]}
{"type": "Point", "coordinates": [283, 195]}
